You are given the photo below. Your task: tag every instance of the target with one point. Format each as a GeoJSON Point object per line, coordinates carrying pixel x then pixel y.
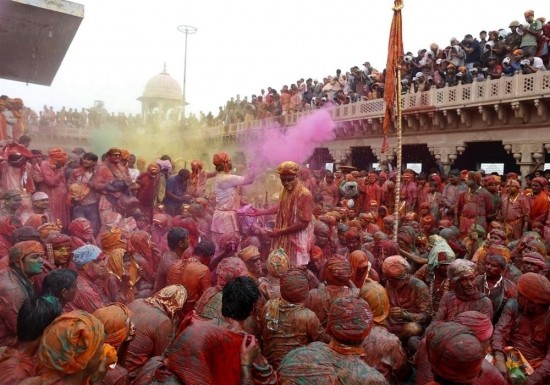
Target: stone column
{"type": "Point", "coordinates": [527, 155]}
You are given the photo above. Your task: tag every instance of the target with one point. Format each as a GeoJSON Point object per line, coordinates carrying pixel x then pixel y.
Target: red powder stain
{"type": "Point", "coordinates": [297, 143]}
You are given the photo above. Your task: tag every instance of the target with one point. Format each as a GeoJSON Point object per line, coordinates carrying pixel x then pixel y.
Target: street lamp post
{"type": "Point", "coordinates": [187, 30]}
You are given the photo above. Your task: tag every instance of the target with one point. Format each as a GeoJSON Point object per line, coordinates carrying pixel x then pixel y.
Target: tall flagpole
{"type": "Point", "coordinates": [392, 98]}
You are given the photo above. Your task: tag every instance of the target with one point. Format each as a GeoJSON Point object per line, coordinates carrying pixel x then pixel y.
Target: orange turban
{"type": "Point", "coordinates": [222, 159]}
{"type": "Point", "coordinates": [69, 343]}
{"type": "Point", "coordinates": [124, 154]}
{"type": "Point", "coordinates": [517, 52]}
{"type": "Point", "coordinates": [377, 298]}
{"type": "Point", "coordinates": [248, 252]}
{"type": "Point", "coordinates": [112, 239]}
{"type": "Point", "coordinates": [288, 168]}
{"type": "Point", "coordinates": [295, 285]}
{"type": "Point", "coordinates": [20, 250]}
{"type": "Point", "coordinates": [337, 270]}
{"type": "Point", "coordinates": [277, 263]}
{"type": "Point", "coordinates": [116, 322]}
{"type": "Point", "coordinates": [57, 155]}
{"type": "Point", "coordinates": [47, 228]}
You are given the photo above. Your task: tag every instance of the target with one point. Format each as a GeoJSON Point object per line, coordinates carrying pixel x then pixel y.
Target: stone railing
{"type": "Point", "coordinates": [503, 90]}
{"type": "Point", "coordinates": [511, 90]}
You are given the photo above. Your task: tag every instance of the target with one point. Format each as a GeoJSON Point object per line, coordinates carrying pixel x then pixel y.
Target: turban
{"type": "Point", "coordinates": [337, 270]}
{"type": "Point", "coordinates": [169, 299]}
{"type": "Point", "coordinates": [542, 181]}
{"type": "Point", "coordinates": [352, 233]}
{"type": "Point", "coordinates": [427, 220]}
{"type": "Point", "coordinates": [349, 320]}
{"type": "Point", "coordinates": [321, 228]}
{"type": "Point", "coordinates": [388, 220]}
{"type": "Point", "coordinates": [514, 183]}
{"type": "Point", "coordinates": [124, 154]}
{"type": "Point", "coordinates": [499, 233]}
{"type": "Point", "coordinates": [229, 269]}
{"type": "Point", "coordinates": [536, 244]}
{"type": "Point", "coordinates": [153, 167]}
{"type": "Point", "coordinates": [116, 322]}
{"type": "Point", "coordinates": [535, 287]}
{"type": "Point", "coordinates": [38, 196]}
{"type": "Point", "coordinates": [377, 298]}
{"type": "Point", "coordinates": [366, 217]}
{"type": "Point", "coordinates": [20, 250]}
{"type": "Point", "coordinates": [295, 285]}
{"type": "Point", "coordinates": [536, 259]}
{"type": "Point", "coordinates": [288, 168]}
{"type": "Point", "coordinates": [277, 263]}
{"type": "Point", "coordinates": [111, 219]}
{"type": "Point", "coordinates": [196, 164]}
{"type": "Point", "coordinates": [17, 149]}
{"type": "Point", "coordinates": [305, 366]}
{"type": "Point", "coordinates": [359, 260]}
{"type": "Point", "coordinates": [248, 253]}
{"type": "Point", "coordinates": [57, 155]}
{"type": "Point", "coordinates": [316, 253]}
{"type": "Point", "coordinates": [114, 150]}
{"type": "Point", "coordinates": [329, 219]}
{"type": "Point", "coordinates": [164, 164]}
{"type": "Point", "coordinates": [529, 12]}
{"type": "Point", "coordinates": [58, 240]}
{"type": "Point", "coordinates": [460, 268]}
{"type": "Point", "coordinates": [395, 267]}
{"type": "Point", "coordinates": [222, 159]}
{"type": "Point", "coordinates": [46, 228]}
{"type": "Point", "coordinates": [477, 322]}
{"type": "Point", "coordinates": [454, 352]}
{"type": "Point", "coordinates": [81, 228]}
{"type": "Point", "coordinates": [85, 254]}
{"type": "Point", "coordinates": [410, 216]}
{"type": "Point", "coordinates": [70, 342]}
{"type": "Point", "coordinates": [444, 224]}
{"type": "Point", "coordinates": [112, 239]}
{"type": "Point", "coordinates": [441, 253]}
{"type": "Point", "coordinates": [161, 220]}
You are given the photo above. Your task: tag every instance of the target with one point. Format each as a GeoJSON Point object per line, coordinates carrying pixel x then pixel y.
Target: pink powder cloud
{"type": "Point", "coordinates": [296, 143]}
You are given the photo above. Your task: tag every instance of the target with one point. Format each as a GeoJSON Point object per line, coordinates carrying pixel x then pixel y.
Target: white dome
{"type": "Point", "coordinates": [163, 86]}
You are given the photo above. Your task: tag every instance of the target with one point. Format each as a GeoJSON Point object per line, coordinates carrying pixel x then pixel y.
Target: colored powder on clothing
{"type": "Point", "coordinates": [297, 143]}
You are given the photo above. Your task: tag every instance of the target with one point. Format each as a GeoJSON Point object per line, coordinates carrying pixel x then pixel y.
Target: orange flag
{"type": "Point", "coordinates": [395, 54]}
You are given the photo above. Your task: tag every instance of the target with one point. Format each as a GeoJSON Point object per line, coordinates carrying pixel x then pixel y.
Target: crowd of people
{"type": "Point", "coordinates": [114, 272]}
{"type": "Point", "coordinates": [521, 49]}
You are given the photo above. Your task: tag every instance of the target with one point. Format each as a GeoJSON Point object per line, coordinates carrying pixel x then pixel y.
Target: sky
{"type": "Point", "coordinates": [242, 46]}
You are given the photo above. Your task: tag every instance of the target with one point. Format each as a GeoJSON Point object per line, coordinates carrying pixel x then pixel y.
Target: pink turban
{"type": "Point", "coordinates": [535, 287]}
{"type": "Point", "coordinates": [229, 269]}
{"type": "Point", "coordinates": [542, 181]}
{"type": "Point", "coordinates": [477, 322]}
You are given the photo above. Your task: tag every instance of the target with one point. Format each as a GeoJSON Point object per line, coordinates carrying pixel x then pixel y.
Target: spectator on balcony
{"type": "Point", "coordinates": [499, 46]}
{"type": "Point", "coordinates": [285, 100]}
{"type": "Point", "coordinates": [531, 64]}
{"type": "Point", "coordinates": [513, 40]}
{"type": "Point", "coordinates": [295, 102]}
{"type": "Point", "coordinates": [455, 54]}
{"type": "Point", "coordinates": [512, 64]}
{"type": "Point", "coordinates": [530, 33]}
{"type": "Point", "coordinates": [494, 69]}
{"type": "Point", "coordinates": [473, 50]}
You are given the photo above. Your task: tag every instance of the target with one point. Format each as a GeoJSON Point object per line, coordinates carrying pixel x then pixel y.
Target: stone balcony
{"type": "Point", "coordinates": [512, 111]}
{"type": "Point", "coordinates": [504, 101]}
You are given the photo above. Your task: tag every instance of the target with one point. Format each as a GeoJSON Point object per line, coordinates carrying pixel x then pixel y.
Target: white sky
{"type": "Point", "coordinates": [244, 45]}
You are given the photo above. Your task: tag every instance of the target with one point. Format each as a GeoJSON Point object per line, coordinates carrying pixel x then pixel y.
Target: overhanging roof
{"type": "Point", "coordinates": [35, 36]}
